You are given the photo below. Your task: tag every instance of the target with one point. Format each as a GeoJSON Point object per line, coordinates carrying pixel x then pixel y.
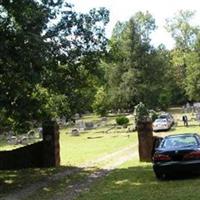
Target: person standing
{"type": "Point", "coordinates": [185, 120]}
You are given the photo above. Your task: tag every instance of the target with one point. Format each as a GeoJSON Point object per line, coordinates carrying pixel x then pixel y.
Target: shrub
{"type": "Point", "coordinates": [141, 112]}
{"type": "Point", "coordinates": [122, 120]}
{"type": "Point", "coordinates": [153, 115]}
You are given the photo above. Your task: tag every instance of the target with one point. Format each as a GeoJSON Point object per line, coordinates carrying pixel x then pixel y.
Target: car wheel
{"type": "Point", "coordinates": [160, 175]}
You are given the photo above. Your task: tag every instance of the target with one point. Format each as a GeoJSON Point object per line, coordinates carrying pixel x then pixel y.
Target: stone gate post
{"type": "Point", "coordinates": [51, 147]}
{"type": "Point", "coordinates": [145, 140]}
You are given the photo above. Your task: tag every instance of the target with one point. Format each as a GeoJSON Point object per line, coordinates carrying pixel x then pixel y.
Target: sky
{"type": "Point", "coordinates": [122, 10]}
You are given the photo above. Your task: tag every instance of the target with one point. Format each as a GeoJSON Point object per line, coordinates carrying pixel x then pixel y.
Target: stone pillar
{"type": "Point", "coordinates": [51, 147]}
{"type": "Point", "coordinates": [145, 139]}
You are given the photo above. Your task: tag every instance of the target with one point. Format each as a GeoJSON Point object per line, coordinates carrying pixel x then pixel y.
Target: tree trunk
{"type": "Point", "coordinates": [145, 139]}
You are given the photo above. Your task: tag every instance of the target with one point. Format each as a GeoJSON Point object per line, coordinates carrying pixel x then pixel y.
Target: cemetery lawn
{"type": "Point", "coordinates": [76, 150]}
{"type": "Point", "coordinates": [14, 180]}
{"type": "Point", "coordinates": [134, 180]}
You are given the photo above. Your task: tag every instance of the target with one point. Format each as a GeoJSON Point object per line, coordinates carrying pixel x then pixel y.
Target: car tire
{"type": "Point", "coordinates": [160, 175]}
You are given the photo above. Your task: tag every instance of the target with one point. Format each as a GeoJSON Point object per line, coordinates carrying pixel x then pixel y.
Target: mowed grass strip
{"type": "Point", "coordinates": [89, 146]}
{"type": "Point", "coordinates": [135, 180]}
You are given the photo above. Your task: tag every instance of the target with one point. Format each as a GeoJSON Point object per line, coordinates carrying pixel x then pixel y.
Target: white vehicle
{"type": "Point", "coordinates": [161, 124]}
{"type": "Point", "coordinates": [168, 117]}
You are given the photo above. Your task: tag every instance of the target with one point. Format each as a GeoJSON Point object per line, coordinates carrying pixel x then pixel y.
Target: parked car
{"type": "Point", "coordinates": [161, 124]}
{"type": "Point", "coordinates": [177, 153]}
{"type": "Point", "coordinates": [168, 117]}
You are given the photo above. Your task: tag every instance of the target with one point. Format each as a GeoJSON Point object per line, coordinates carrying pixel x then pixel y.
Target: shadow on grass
{"type": "Point", "coordinates": [139, 183]}
{"type": "Point", "coordinates": [14, 180]}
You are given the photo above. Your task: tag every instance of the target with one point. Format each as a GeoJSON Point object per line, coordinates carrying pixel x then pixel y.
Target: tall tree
{"type": "Point", "coordinates": [181, 29]}
{"type": "Point", "coordinates": [47, 53]}
{"type": "Point", "coordinates": [136, 72]}
{"type": "Point", "coordinates": [185, 36]}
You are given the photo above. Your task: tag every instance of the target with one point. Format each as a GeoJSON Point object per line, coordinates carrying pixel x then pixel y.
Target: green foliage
{"type": "Point", "coordinates": [181, 29]}
{"type": "Point", "coordinates": [193, 73]}
{"type": "Point", "coordinates": [122, 120]}
{"type": "Point", "coordinates": [49, 57]}
{"type": "Point", "coordinates": [141, 112]}
{"type": "Point", "coordinates": [184, 57]}
{"type": "Point", "coordinates": [153, 115]}
{"type": "Point", "coordinates": [135, 71]}
{"type": "Point", "coordinates": [164, 100]}
{"type": "Point", "coordinates": [100, 105]}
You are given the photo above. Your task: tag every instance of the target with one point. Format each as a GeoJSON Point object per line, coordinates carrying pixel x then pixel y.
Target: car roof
{"type": "Point", "coordinates": [165, 114]}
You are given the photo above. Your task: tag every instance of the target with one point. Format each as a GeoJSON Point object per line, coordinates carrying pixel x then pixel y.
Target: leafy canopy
{"type": "Point", "coordinates": [47, 53]}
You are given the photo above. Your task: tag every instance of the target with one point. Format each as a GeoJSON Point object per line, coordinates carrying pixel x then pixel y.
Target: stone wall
{"type": "Point", "coordinates": [25, 157]}
{"type": "Point", "coordinates": [41, 154]}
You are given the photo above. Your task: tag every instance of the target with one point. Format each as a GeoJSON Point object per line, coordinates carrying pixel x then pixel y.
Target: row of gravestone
{"type": "Point", "coordinates": [195, 108]}
{"type": "Point", "coordinates": [81, 125]}
{"type": "Point", "coordinates": [27, 138]}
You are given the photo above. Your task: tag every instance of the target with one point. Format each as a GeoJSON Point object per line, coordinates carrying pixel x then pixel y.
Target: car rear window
{"type": "Point", "coordinates": [179, 141]}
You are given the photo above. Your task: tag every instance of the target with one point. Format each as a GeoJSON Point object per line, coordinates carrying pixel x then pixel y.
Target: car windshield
{"type": "Point", "coordinates": [163, 116]}
{"type": "Point", "coordinates": [161, 121]}
{"type": "Point", "coordinates": [179, 141]}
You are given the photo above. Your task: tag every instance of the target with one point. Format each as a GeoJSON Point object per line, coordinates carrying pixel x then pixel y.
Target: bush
{"type": "Point", "coordinates": [153, 115]}
{"type": "Point", "coordinates": [141, 112]}
{"type": "Point", "coordinates": [122, 120]}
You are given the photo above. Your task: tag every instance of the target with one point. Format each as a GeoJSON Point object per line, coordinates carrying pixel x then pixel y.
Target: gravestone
{"type": "Point", "coordinates": [12, 140]}
{"type": "Point", "coordinates": [198, 116]}
{"type": "Point", "coordinates": [80, 125]}
{"type": "Point", "coordinates": [61, 121]}
{"type": "Point", "coordinates": [103, 121]}
{"type": "Point", "coordinates": [31, 134]}
{"type": "Point", "coordinates": [75, 132]}
{"type": "Point", "coordinates": [89, 125]}
{"type": "Point", "coordinates": [77, 116]}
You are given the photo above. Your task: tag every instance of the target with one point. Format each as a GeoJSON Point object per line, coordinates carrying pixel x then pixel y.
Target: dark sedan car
{"type": "Point", "coordinates": [177, 153]}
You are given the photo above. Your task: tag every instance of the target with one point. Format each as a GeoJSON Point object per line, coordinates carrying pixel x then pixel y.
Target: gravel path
{"type": "Point", "coordinates": [108, 163]}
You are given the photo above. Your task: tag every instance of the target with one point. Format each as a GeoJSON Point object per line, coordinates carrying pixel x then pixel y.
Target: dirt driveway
{"type": "Point", "coordinates": [107, 162]}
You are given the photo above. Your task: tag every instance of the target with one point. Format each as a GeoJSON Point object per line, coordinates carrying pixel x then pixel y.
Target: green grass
{"type": "Point", "coordinates": [58, 187]}
{"type": "Point", "coordinates": [135, 180]}
{"type": "Point", "coordinates": [4, 146]}
{"type": "Point", "coordinates": [132, 180]}
{"type": "Point", "coordinates": [88, 146]}
{"type": "Point", "coordinates": [74, 151]}
{"type": "Point", "coordinates": [15, 179]}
